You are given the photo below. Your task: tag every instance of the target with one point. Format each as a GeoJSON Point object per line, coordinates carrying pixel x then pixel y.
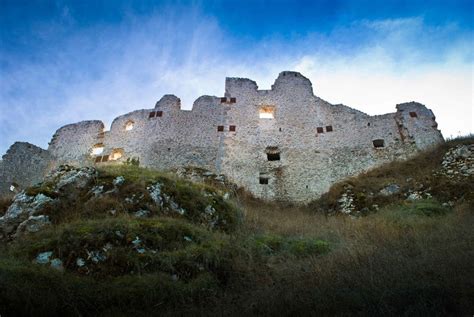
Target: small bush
{"type": "Point", "coordinates": [132, 161]}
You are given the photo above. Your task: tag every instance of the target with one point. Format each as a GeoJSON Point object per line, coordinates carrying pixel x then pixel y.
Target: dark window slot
{"type": "Point", "coordinates": [379, 143]}
{"type": "Point", "coordinates": [273, 156]}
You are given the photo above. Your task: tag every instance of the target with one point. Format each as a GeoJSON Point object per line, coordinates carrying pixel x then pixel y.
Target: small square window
{"type": "Point", "coordinates": [159, 113]}
{"type": "Point", "coordinates": [152, 114]}
{"type": "Point", "coordinates": [233, 100]}
{"type": "Point", "coordinates": [267, 112]}
{"type": "Point", "coordinates": [329, 128]}
{"type": "Point", "coordinates": [413, 114]}
{"type": "Point", "coordinates": [320, 129]}
{"type": "Point", "coordinates": [263, 181]}
{"type": "Point", "coordinates": [232, 128]}
{"type": "Point", "coordinates": [273, 156]}
{"type": "Point", "coordinates": [223, 99]}
{"type": "Point", "coordinates": [379, 143]}
{"type": "Point", "coordinates": [220, 128]}
{"type": "Point", "coordinates": [98, 159]}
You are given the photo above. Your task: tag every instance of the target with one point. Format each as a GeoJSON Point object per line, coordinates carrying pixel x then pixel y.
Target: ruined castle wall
{"type": "Point", "coordinates": [169, 137]}
{"type": "Point", "coordinates": [23, 165]}
{"type": "Point", "coordinates": [307, 145]}
{"type": "Point", "coordinates": [310, 160]}
{"type": "Point", "coordinates": [72, 144]}
{"type": "Point", "coordinates": [419, 124]}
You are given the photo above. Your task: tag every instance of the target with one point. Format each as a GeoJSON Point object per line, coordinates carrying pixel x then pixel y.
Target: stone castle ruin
{"type": "Point", "coordinates": [280, 144]}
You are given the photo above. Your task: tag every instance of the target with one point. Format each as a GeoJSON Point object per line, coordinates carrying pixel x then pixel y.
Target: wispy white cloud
{"type": "Point", "coordinates": [102, 72]}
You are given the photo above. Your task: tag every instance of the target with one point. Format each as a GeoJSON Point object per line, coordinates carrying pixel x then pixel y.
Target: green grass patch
{"type": "Point", "coordinates": [271, 244]}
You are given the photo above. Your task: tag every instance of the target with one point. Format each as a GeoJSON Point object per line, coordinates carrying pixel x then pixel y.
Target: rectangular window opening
{"type": "Point", "coordinates": [159, 113]}
{"type": "Point", "coordinates": [273, 156]}
{"type": "Point", "coordinates": [233, 100]}
{"type": "Point", "coordinates": [320, 130]}
{"type": "Point", "coordinates": [329, 128]}
{"type": "Point", "coordinates": [413, 114]}
{"type": "Point", "coordinates": [379, 143]}
{"type": "Point", "coordinates": [232, 128]}
{"type": "Point", "coordinates": [105, 158]}
{"type": "Point", "coordinates": [223, 99]}
{"type": "Point", "coordinates": [263, 180]}
{"type": "Point", "coordinates": [152, 114]}
{"type": "Point", "coordinates": [267, 112]}
{"type": "Point", "coordinates": [220, 128]}
{"type": "Point", "coordinates": [98, 159]}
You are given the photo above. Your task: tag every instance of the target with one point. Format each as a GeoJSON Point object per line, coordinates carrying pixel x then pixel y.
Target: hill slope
{"type": "Point", "coordinates": [128, 240]}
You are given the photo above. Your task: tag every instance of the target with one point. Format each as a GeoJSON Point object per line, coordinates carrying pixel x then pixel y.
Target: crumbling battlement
{"type": "Point", "coordinates": [284, 143]}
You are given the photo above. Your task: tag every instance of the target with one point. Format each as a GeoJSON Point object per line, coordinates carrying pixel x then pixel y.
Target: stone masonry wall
{"type": "Point", "coordinates": [23, 165]}
{"type": "Point", "coordinates": [308, 145]}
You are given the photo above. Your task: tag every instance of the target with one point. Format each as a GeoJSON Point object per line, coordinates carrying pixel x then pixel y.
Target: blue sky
{"type": "Point", "coordinates": [67, 61]}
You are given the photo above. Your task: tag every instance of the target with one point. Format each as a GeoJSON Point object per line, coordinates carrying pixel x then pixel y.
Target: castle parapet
{"type": "Point", "coordinates": [293, 83]}
{"type": "Point", "coordinates": [168, 103]}
{"type": "Point", "coordinates": [239, 86]}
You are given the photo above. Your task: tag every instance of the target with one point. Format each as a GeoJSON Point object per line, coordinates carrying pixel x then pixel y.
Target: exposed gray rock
{"type": "Point", "coordinates": [78, 178]}
{"type": "Point", "coordinates": [57, 264]}
{"type": "Point", "coordinates": [391, 189]}
{"type": "Point", "coordinates": [80, 262]}
{"type": "Point", "coordinates": [136, 241]}
{"type": "Point", "coordinates": [118, 181]}
{"type": "Point", "coordinates": [21, 209]}
{"type": "Point", "coordinates": [226, 196]}
{"type": "Point", "coordinates": [210, 210]}
{"type": "Point", "coordinates": [97, 190]}
{"type": "Point", "coordinates": [141, 213]}
{"type": "Point", "coordinates": [32, 224]}
{"type": "Point", "coordinates": [176, 208]}
{"type": "Point", "coordinates": [346, 202]}
{"type": "Point", "coordinates": [415, 196]}
{"type": "Point", "coordinates": [96, 256]}
{"type": "Point", "coordinates": [155, 194]}
{"type": "Point", "coordinates": [458, 162]}
{"type": "Point", "coordinates": [43, 257]}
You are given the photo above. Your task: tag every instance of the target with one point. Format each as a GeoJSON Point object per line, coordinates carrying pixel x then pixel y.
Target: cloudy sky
{"type": "Point", "coordinates": [67, 61]}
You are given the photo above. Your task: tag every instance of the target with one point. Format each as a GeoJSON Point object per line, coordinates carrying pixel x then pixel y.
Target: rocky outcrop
{"type": "Point", "coordinates": [23, 214]}
{"type": "Point", "coordinates": [458, 162]}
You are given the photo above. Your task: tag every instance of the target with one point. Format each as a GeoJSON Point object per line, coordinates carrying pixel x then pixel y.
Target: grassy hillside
{"type": "Point", "coordinates": [408, 255]}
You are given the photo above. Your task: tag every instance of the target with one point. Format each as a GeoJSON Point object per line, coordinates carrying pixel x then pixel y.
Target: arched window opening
{"type": "Point", "coordinates": [129, 125]}
{"type": "Point", "coordinates": [116, 154]}
{"type": "Point", "coordinates": [98, 149]}
{"type": "Point", "coordinates": [273, 153]}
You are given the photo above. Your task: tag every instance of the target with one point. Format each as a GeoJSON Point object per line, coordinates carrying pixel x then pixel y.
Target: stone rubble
{"type": "Point", "coordinates": [458, 162]}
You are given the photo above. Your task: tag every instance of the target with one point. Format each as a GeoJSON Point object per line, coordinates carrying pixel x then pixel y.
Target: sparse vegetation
{"type": "Point", "coordinates": [410, 257]}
